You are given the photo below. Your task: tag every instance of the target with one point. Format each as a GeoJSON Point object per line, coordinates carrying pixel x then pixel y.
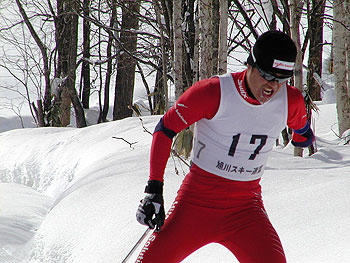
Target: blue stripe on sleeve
{"type": "Point", "coordinates": [160, 127]}
{"type": "Point", "coordinates": [304, 129]}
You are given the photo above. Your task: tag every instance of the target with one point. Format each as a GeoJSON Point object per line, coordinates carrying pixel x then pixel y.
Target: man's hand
{"type": "Point", "coordinates": [151, 209]}
{"type": "Point", "coordinates": [303, 137]}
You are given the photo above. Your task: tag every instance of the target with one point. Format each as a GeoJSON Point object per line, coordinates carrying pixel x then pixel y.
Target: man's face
{"type": "Point", "coordinates": [262, 89]}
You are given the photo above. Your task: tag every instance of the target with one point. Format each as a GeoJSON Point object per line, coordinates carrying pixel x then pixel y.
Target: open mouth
{"type": "Point", "coordinates": [268, 92]}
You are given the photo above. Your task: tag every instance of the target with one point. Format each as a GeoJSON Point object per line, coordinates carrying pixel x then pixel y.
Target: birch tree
{"type": "Point", "coordinates": [340, 33]}
{"type": "Point", "coordinates": [222, 52]}
{"type": "Point", "coordinates": [347, 43]}
{"type": "Point", "coordinates": [215, 14]}
{"type": "Point", "coordinates": [205, 28]}
{"type": "Point", "coordinates": [296, 7]}
{"type": "Point", "coordinates": [178, 40]}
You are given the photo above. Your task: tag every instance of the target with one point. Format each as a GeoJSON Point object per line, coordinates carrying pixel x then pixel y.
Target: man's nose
{"type": "Point", "coordinates": [273, 84]}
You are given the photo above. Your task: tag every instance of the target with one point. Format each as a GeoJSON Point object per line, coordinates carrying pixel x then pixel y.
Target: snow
{"type": "Point", "coordinates": [70, 195]}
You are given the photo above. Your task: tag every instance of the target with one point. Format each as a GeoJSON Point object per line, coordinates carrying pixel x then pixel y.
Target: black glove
{"type": "Point", "coordinates": [151, 209]}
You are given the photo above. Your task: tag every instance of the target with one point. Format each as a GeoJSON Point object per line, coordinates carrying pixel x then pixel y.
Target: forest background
{"type": "Point", "coordinates": [63, 57]}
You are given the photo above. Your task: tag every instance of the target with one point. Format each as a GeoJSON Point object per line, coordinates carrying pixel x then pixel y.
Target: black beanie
{"type": "Point", "coordinates": [274, 52]}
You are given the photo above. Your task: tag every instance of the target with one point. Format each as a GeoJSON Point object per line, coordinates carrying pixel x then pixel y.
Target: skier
{"type": "Point", "coordinates": [238, 117]}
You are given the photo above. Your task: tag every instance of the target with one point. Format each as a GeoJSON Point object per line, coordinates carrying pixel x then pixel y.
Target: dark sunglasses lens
{"type": "Point", "coordinates": [265, 75]}
{"type": "Point", "coordinates": [269, 77]}
{"type": "Point", "coordinates": [281, 80]}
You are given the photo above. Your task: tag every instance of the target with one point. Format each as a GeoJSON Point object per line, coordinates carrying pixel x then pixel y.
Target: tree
{"type": "Point", "coordinates": [315, 35]}
{"type": "Point", "coordinates": [347, 41]}
{"type": "Point", "coordinates": [222, 52]}
{"type": "Point", "coordinates": [110, 43]}
{"type": "Point", "coordinates": [164, 60]}
{"type": "Point", "coordinates": [296, 8]}
{"type": "Point", "coordinates": [190, 40]}
{"type": "Point", "coordinates": [340, 40]}
{"type": "Point", "coordinates": [67, 44]}
{"type": "Point", "coordinates": [205, 31]}
{"type": "Point", "coordinates": [178, 40]}
{"type": "Point", "coordinates": [85, 67]}
{"type": "Point", "coordinates": [215, 14]}
{"type": "Point", "coordinates": [124, 85]}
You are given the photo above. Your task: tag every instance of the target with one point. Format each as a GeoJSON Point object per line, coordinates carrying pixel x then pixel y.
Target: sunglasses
{"type": "Point", "coordinates": [269, 77]}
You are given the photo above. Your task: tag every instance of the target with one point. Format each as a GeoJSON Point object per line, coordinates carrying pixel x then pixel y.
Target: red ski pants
{"type": "Point", "coordinates": [210, 209]}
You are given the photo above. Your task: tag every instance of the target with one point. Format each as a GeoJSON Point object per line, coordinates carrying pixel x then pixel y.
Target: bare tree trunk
{"type": "Point", "coordinates": [158, 98]}
{"type": "Point", "coordinates": [148, 90]}
{"type": "Point", "coordinates": [339, 51]}
{"type": "Point", "coordinates": [178, 40]}
{"type": "Point", "coordinates": [63, 30]}
{"type": "Point", "coordinates": [164, 54]}
{"type": "Point", "coordinates": [189, 43]}
{"type": "Point", "coordinates": [215, 35]}
{"type": "Point", "coordinates": [167, 7]}
{"type": "Point", "coordinates": [72, 60]}
{"type": "Point", "coordinates": [196, 49]}
{"type": "Point", "coordinates": [205, 54]}
{"type": "Point", "coordinates": [296, 7]}
{"type": "Point", "coordinates": [286, 16]}
{"type": "Point", "coordinates": [85, 70]}
{"type": "Point", "coordinates": [347, 43]}
{"type": "Point", "coordinates": [315, 29]}
{"type": "Point", "coordinates": [67, 42]}
{"type": "Point", "coordinates": [124, 86]}
{"type": "Point", "coordinates": [285, 137]}
{"type": "Point", "coordinates": [222, 53]}
{"type": "Point", "coordinates": [112, 24]}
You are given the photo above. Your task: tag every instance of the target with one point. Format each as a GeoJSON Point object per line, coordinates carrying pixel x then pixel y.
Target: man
{"type": "Point", "coordinates": [238, 118]}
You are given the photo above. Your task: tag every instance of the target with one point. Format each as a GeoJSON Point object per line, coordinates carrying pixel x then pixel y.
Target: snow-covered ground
{"type": "Point", "coordinates": [70, 195]}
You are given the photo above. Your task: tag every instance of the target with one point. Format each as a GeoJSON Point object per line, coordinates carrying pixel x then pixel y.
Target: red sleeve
{"type": "Point", "coordinates": [297, 117]}
{"type": "Point", "coordinates": [199, 101]}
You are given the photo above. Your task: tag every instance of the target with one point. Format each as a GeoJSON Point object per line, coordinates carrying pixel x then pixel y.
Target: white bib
{"type": "Point", "coordinates": [236, 142]}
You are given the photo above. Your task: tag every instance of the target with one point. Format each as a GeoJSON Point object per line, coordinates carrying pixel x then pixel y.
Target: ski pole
{"type": "Point", "coordinates": [136, 245]}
